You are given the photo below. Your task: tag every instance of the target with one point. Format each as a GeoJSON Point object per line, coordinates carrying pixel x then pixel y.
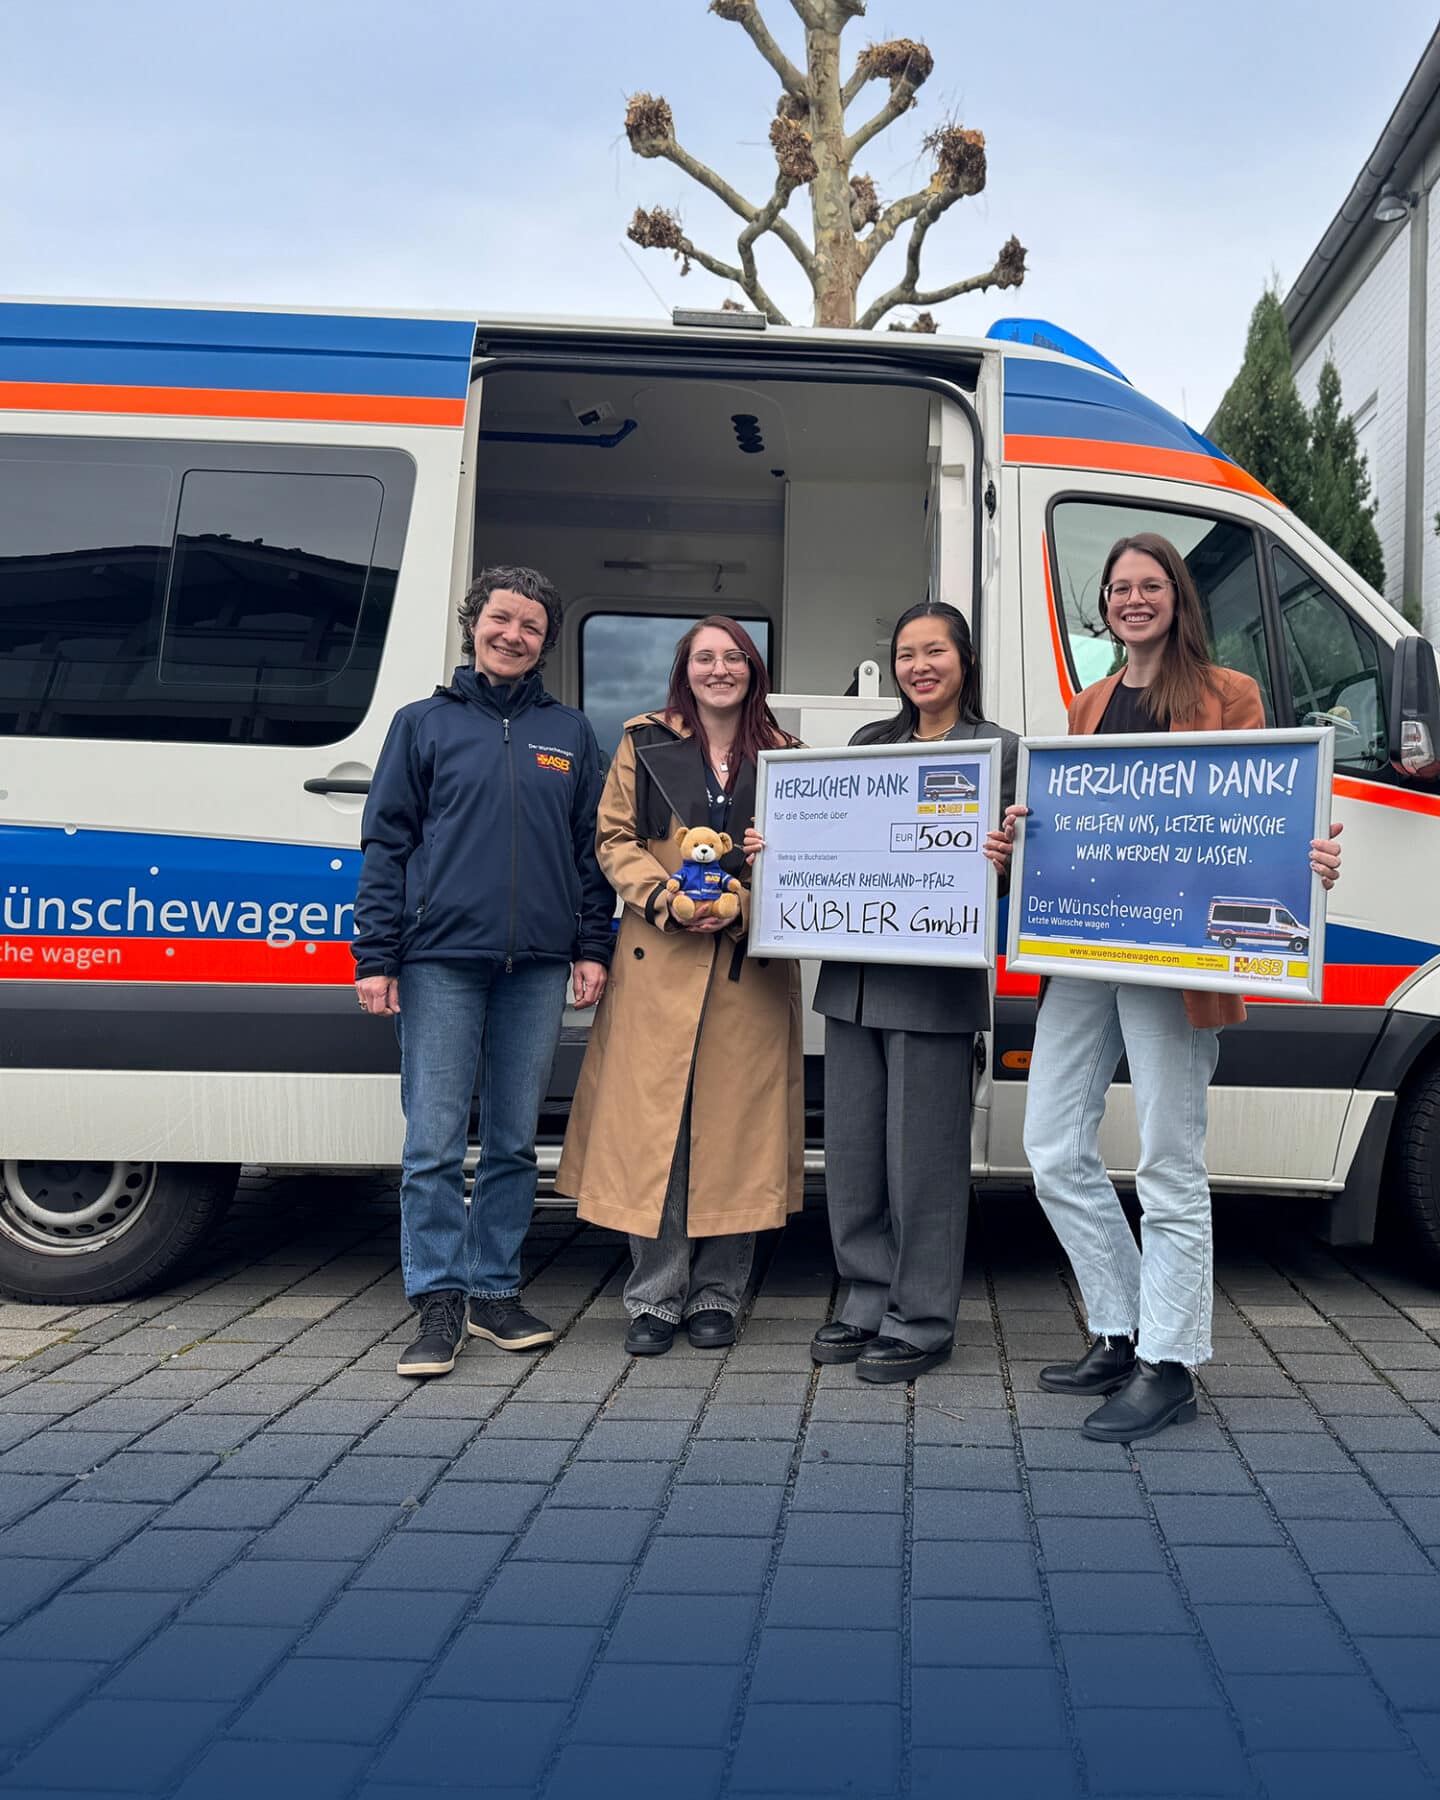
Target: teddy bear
{"type": "Point", "coordinates": [702, 887]}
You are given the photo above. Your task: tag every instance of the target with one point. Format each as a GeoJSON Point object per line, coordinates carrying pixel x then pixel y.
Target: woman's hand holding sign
{"type": "Point", "coordinates": [1325, 857]}
{"type": "Point", "coordinates": [999, 844]}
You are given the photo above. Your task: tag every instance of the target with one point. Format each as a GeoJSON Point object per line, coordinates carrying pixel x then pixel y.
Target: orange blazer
{"type": "Point", "coordinates": [1233, 705]}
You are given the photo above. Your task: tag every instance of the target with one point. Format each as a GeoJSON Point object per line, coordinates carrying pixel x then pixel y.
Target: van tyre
{"type": "Point", "coordinates": [1415, 1164]}
{"type": "Point", "coordinates": [90, 1231]}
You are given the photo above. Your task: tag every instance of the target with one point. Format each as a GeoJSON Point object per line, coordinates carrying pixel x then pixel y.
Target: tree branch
{"type": "Point", "coordinates": [899, 213]}
{"type": "Point", "coordinates": [809, 12]}
{"type": "Point", "coordinates": [1007, 271]}
{"type": "Point", "coordinates": [746, 14]}
{"type": "Point", "coordinates": [902, 98]}
{"type": "Point", "coordinates": [674, 152]}
{"type": "Point", "coordinates": [763, 221]}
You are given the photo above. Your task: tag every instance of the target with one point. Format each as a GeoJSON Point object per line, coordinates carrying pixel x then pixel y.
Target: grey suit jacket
{"type": "Point", "coordinates": [913, 996]}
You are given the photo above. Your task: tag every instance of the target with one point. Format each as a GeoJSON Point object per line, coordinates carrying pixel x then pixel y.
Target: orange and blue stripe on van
{"type": "Point", "coordinates": [176, 362]}
{"type": "Point", "coordinates": [1062, 416]}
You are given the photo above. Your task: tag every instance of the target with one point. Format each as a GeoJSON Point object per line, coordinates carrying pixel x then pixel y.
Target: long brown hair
{"type": "Point", "coordinates": [1187, 669]}
{"type": "Point", "coordinates": [756, 730]}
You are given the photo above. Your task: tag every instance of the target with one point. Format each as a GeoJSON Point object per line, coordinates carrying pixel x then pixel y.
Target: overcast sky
{"type": "Point", "coordinates": [1160, 160]}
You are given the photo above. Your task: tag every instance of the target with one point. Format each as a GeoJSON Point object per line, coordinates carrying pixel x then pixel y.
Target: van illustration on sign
{"type": "Point", "coordinates": [1238, 920]}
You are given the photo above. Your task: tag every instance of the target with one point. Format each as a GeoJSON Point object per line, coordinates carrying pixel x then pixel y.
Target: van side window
{"type": "Point", "coordinates": [625, 663]}
{"type": "Point", "coordinates": [1334, 665]}
{"type": "Point", "coordinates": [1219, 553]}
{"type": "Point", "coordinates": [195, 593]}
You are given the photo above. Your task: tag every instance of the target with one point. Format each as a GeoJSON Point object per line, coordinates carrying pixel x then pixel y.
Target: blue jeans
{"type": "Point", "coordinates": [1164, 1293]}
{"type": "Point", "coordinates": [454, 1016]}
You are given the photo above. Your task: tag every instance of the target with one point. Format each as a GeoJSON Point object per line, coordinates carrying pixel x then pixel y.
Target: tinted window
{"type": "Point", "coordinates": [1336, 676]}
{"type": "Point", "coordinates": [625, 663]}
{"type": "Point", "coordinates": [195, 592]}
{"type": "Point", "coordinates": [1219, 554]}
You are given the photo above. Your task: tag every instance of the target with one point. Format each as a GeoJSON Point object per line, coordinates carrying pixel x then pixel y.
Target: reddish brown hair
{"type": "Point", "coordinates": [756, 730]}
{"type": "Point", "coordinates": [1187, 669]}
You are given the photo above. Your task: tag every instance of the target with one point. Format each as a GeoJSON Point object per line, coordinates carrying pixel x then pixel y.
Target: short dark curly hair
{"type": "Point", "coordinates": [529, 582]}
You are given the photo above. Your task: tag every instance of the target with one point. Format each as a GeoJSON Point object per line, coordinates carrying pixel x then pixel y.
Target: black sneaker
{"type": "Point", "coordinates": [506, 1323]}
{"type": "Point", "coordinates": [441, 1337]}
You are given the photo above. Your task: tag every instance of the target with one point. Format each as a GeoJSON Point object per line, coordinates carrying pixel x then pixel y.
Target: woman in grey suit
{"type": "Point", "coordinates": [899, 1054]}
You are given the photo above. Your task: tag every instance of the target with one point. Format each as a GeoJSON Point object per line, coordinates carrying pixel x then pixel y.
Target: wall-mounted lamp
{"type": "Point", "coordinates": [1392, 207]}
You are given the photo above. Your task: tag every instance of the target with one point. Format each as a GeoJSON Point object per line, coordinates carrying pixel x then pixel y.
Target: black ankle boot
{"type": "Point", "coordinates": [1105, 1366]}
{"type": "Point", "coordinates": [1156, 1395]}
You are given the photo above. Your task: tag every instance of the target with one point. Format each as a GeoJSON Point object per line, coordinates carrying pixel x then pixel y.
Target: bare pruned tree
{"type": "Point", "coordinates": [816, 149]}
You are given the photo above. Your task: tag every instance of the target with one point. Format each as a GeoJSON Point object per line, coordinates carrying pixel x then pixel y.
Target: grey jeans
{"type": "Point", "coordinates": [674, 1275]}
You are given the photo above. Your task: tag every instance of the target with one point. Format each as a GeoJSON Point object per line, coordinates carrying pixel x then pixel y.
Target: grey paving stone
{"type": "Point", "coordinates": [855, 1441]}
{"type": "Point", "coordinates": [1147, 1671]}
{"type": "Point", "coordinates": [853, 1404]}
{"type": "Point", "coordinates": [36, 1693]}
{"type": "Point", "coordinates": [1213, 1519]}
{"type": "Point", "coordinates": [434, 1561]}
{"type": "Point", "coordinates": [222, 1433]}
{"type": "Point", "coordinates": [512, 1459]}
{"type": "Point", "coordinates": [516, 1662]}
{"type": "Point", "coordinates": [1233, 1575]}
{"type": "Point", "coordinates": [795, 1664]}
{"type": "Point", "coordinates": [1423, 1518]}
{"type": "Point", "coordinates": [981, 1707]}
{"type": "Point", "coordinates": [136, 1746]}
{"type": "Point", "coordinates": [1407, 1669]}
{"type": "Point", "coordinates": [843, 1540]}
{"type": "Point", "coordinates": [22, 1494]}
{"type": "Point", "coordinates": [966, 1513]}
{"type": "Point", "coordinates": [1341, 1774]}
{"type": "Point", "coordinates": [816, 1598]}
{"type": "Point", "coordinates": [639, 1440]}
{"type": "Point", "coordinates": [61, 1453]}
{"type": "Point", "coordinates": [587, 1771]}
{"type": "Point", "coordinates": [1385, 1433]}
{"type": "Point", "coordinates": [614, 1484]}
{"type": "Point", "coordinates": [1047, 1447]}
{"type": "Point", "coordinates": [823, 1749]}
{"type": "Point", "coordinates": [1402, 1473]}
{"type": "Point", "coordinates": [267, 1593]}
{"type": "Point", "coordinates": [941, 1774]}
{"type": "Point", "coordinates": [344, 1701]}
{"type": "Point", "coordinates": [25, 1581]}
{"type": "Point", "coordinates": [377, 1479]}
{"type": "Point", "coordinates": [949, 1467]}
{"type": "Point", "coordinates": [562, 1594]}
{"type": "Point", "coordinates": [400, 1436]}
{"type": "Point", "coordinates": [1065, 1494]}
{"type": "Point", "coordinates": [1269, 1415]}
{"type": "Point", "coordinates": [716, 1629]}
{"type": "Point", "coordinates": [726, 1462]}
{"type": "Point", "coordinates": [315, 1529]}
{"type": "Point", "coordinates": [1359, 1402]}
{"type": "Point", "coordinates": [651, 1403]}
{"type": "Point", "coordinates": [146, 1475]}
{"type": "Point", "coordinates": [1099, 1544]}
{"type": "Point", "coordinates": [524, 1419]}
{"type": "Point", "coordinates": [1323, 1497]}
{"type": "Point", "coordinates": [1385, 1605]}
{"type": "Point", "coordinates": [723, 1512]}
{"type": "Point", "coordinates": [1275, 1640]}
{"type": "Point", "coordinates": [23, 1426]}
{"type": "Point", "coordinates": [1311, 1712]}
{"type": "Point", "coordinates": [340, 1417]}
{"type": "Point", "coordinates": [161, 1561]}
{"type": "Point", "coordinates": [1116, 1602]}
{"type": "Point", "coordinates": [224, 1503]}
{"type": "Point", "coordinates": [979, 1428]}
{"type": "Point", "coordinates": [1305, 1452]}
{"type": "Point", "coordinates": [658, 1704]}
{"type": "Point", "coordinates": [761, 1390]}
{"type": "Point", "coordinates": [386, 1626]}
{"type": "Point", "coordinates": [1330, 1547]}
{"type": "Point", "coordinates": [580, 1534]}
{"type": "Point", "coordinates": [202, 1662]}
{"type": "Point", "coordinates": [718, 1565]}
{"type": "Point", "coordinates": [487, 1506]}
{"type": "Point", "coordinates": [1132, 1750]}
{"type": "Point", "coordinates": [296, 1455]}
{"type": "Point", "coordinates": [849, 1487]}
{"type": "Point", "coordinates": [107, 1626]}
{"type": "Point", "coordinates": [1182, 1472]}
{"type": "Point", "coordinates": [71, 1528]}
{"type": "Point", "coordinates": [950, 1569]}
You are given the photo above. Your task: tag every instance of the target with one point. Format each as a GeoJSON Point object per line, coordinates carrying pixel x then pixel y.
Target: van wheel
{"type": "Point", "coordinates": [1298, 944]}
{"type": "Point", "coordinates": [1227, 942]}
{"type": "Point", "coordinates": [1415, 1163]}
{"type": "Point", "coordinates": [87, 1231]}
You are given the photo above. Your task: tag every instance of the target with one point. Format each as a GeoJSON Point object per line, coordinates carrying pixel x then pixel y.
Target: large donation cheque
{"type": "Point", "coordinates": [1177, 859]}
{"type": "Point", "coordinates": [873, 854]}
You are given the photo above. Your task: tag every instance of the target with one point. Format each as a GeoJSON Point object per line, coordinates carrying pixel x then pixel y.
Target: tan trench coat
{"type": "Point", "coordinates": [677, 1000]}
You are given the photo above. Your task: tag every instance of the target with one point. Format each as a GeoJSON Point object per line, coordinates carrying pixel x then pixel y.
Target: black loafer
{"type": "Point", "coordinates": [1105, 1366]}
{"type": "Point", "coordinates": [839, 1343]}
{"type": "Point", "coordinates": [1156, 1395]}
{"type": "Point", "coordinates": [711, 1329]}
{"type": "Point", "coordinates": [649, 1336]}
{"type": "Point", "coordinates": [891, 1359]}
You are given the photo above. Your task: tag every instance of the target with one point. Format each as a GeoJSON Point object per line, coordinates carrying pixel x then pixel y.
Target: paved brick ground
{"type": "Point", "coordinates": [240, 1557]}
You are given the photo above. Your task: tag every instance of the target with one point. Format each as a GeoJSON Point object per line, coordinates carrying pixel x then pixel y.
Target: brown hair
{"type": "Point", "coordinates": [1187, 669]}
{"type": "Point", "coordinates": [756, 730]}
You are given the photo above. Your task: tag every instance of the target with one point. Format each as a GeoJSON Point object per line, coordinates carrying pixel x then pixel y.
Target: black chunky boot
{"type": "Point", "coordinates": [1105, 1366]}
{"type": "Point", "coordinates": [1156, 1395]}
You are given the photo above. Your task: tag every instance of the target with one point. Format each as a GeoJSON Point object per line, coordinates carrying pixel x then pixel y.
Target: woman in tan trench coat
{"type": "Point", "coordinates": [687, 1130]}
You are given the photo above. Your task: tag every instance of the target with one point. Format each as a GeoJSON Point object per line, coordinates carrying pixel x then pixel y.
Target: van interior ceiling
{"type": "Point", "coordinates": [799, 508]}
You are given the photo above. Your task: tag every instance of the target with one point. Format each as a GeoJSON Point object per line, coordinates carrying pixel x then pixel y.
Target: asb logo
{"type": "Point", "coordinates": [547, 759]}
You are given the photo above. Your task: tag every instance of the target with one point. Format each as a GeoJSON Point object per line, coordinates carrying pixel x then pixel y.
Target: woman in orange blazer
{"type": "Point", "coordinates": [1149, 1310]}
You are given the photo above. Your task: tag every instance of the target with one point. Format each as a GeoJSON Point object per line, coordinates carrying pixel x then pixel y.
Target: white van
{"type": "Point", "coordinates": [1255, 924]}
{"type": "Point", "coordinates": [231, 541]}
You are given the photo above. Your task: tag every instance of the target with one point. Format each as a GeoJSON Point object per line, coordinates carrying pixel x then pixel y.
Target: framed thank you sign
{"type": "Point", "coordinates": [1180, 859]}
{"type": "Point", "coordinates": [873, 854]}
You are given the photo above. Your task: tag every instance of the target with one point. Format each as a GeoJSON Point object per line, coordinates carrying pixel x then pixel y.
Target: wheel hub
{"type": "Point", "coordinates": [68, 1208]}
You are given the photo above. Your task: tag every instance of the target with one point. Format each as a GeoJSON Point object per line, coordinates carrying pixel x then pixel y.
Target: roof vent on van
{"type": "Point", "coordinates": [736, 319]}
{"type": "Point", "coordinates": [747, 433]}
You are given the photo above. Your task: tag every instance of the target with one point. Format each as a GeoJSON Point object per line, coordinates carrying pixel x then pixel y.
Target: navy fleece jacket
{"type": "Point", "coordinates": [479, 833]}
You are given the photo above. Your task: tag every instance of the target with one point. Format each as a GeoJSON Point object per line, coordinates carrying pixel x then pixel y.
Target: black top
{"type": "Point", "coordinates": [719, 802]}
{"type": "Point", "coordinates": [1127, 712]}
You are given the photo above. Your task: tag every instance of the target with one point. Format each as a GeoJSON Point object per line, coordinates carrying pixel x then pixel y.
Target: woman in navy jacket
{"type": "Point", "coordinates": [479, 890]}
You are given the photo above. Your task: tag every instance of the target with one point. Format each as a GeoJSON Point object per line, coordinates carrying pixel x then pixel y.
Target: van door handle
{"type": "Point", "coordinates": [330, 784]}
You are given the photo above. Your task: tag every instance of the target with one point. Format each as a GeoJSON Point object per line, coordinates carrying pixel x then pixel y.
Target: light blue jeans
{"type": "Point", "coordinates": [1163, 1293]}
{"type": "Point", "coordinates": [453, 1017]}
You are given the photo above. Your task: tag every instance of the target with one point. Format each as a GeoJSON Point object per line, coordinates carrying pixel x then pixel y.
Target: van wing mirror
{"type": "Point", "coordinates": [1415, 711]}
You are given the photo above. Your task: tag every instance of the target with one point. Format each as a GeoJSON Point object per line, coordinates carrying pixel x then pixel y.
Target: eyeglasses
{"type": "Point", "coordinates": [1151, 589]}
{"type": "Point", "coordinates": [706, 659]}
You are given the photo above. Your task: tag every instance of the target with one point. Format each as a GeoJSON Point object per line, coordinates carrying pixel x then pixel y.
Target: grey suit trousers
{"type": "Point", "coordinates": [897, 1176]}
